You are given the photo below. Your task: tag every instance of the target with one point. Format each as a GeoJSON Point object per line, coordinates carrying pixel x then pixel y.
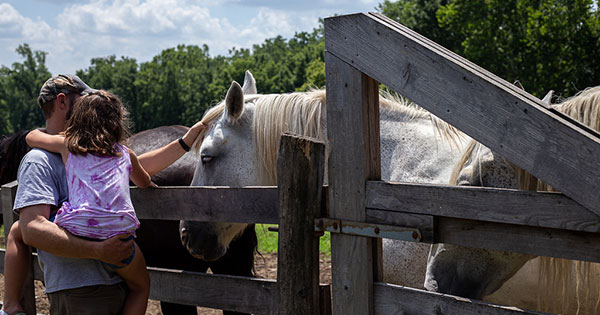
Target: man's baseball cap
{"type": "Point", "coordinates": [62, 83]}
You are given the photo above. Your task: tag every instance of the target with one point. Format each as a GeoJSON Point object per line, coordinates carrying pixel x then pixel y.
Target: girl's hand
{"type": "Point", "coordinates": [190, 136]}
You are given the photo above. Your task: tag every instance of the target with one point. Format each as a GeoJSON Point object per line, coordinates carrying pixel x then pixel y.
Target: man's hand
{"type": "Point", "coordinates": [115, 249]}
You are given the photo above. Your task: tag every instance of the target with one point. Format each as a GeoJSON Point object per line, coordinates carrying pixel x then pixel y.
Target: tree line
{"type": "Point", "coordinates": [545, 44]}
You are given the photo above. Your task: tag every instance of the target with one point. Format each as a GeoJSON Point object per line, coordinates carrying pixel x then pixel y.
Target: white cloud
{"type": "Point", "coordinates": [14, 25]}
{"type": "Point", "coordinates": [143, 28]}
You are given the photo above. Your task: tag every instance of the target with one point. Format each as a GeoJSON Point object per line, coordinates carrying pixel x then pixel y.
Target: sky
{"type": "Point", "coordinates": [73, 32]}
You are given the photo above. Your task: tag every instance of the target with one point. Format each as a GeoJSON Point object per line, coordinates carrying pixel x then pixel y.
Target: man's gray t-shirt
{"type": "Point", "coordinates": [42, 180]}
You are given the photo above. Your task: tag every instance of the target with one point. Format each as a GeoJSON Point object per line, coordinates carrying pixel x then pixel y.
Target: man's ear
{"type": "Point", "coordinates": [61, 101]}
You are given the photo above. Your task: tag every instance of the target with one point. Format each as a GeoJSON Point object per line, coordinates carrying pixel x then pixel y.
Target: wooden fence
{"type": "Point", "coordinates": [363, 50]}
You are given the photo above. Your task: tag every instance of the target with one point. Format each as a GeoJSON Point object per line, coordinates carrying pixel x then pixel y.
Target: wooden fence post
{"type": "Point", "coordinates": [353, 137]}
{"type": "Point", "coordinates": [8, 193]}
{"type": "Point", "coordinates": [300, 181]}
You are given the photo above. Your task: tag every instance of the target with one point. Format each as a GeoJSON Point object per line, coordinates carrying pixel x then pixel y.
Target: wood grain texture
{"type": "Point", "coordinates": [300, 166]}
{"type": "Point", "coordinates": [350, 111]}
{"type": "Point", "coordinates": [7, 197]}
{"type": "Point", "coordinates": [518, 238]}
{"type": "Point", "coordinates": [508, 121]}
{"type": "Point", "coordinates": [538, 209]}
{"type": "Point", "coordinates": [209, 204]}
{"type": "Point", "coordinates": [392, 299]}
{"type": "Point", "coordinates": [241, 294]}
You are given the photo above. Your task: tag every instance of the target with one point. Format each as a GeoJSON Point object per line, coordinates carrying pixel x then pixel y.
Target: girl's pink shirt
{"type": "Point", "coordinates": [99, 203]}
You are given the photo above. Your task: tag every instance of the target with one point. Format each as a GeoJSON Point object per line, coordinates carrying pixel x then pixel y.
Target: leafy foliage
{"type": "Point", "coordinates": [19, 89]}
{"type": "Point", "coordinates": [546, 44]}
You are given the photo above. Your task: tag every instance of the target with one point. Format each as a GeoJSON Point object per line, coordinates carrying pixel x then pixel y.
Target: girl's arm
{"type": "Point", "coordinates": [139, 176]}
{"type": "Point", "coordinates": [53, 143]}
{"type": "Point", "coordinates": [159, 159]}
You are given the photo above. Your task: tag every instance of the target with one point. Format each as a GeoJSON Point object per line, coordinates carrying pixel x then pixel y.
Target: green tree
{"type": "Point", "coordinates": [19, 89]}
{"type": "Point", "coordinates": [281, 65]}
{"type": "Point", "coordinates": [549, 44]}
{"type": "Point", "coordinates": [420, 16]}
{"type": "Point", "coordinates": [546, 44]}
{"type": "Point", "coordinates": [174, 88]}
{"type": "Point", "coordinates": [117, 76]}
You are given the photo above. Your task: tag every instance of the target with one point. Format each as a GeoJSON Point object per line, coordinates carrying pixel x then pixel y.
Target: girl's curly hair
{"type": "Point", "coordinates": [98, 121]}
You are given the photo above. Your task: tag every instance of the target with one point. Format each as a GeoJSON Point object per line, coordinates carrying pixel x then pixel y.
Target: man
{"type": "Point", "coordinates": [75, 274]}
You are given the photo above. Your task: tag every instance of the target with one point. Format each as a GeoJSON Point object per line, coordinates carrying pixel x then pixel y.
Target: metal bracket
{"type": "Point", "coordinates": [368, 229]}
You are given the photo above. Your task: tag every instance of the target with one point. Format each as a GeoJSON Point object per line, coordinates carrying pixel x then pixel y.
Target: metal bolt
{"type": "Point", "coordinates": [376, 230]}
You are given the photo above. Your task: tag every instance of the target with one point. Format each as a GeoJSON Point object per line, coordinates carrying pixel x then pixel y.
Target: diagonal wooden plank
{"type": "Point", "coordinates": [510, 122]}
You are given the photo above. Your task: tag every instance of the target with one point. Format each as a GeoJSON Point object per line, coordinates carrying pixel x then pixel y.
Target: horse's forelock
{"type": "Point", "coordinates": [209, 118]}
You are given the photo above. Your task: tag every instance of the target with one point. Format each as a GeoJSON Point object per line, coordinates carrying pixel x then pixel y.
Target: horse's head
{"type": "Point", "coordinates": [227, 158]}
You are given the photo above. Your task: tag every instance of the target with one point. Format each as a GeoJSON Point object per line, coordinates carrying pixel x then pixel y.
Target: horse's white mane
{"type": "Point", "coordinates": [555, 273]}
{"type": "Point", "coordinates": [303, 113]}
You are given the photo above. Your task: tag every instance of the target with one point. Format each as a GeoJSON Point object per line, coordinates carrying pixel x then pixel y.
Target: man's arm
{"type": "Point", "coordinates": [159, 159]}
{"type": "Point", "coordinates": [38, 232]}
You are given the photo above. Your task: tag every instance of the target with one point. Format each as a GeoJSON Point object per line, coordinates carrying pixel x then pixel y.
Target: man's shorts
{"type": "Point", "coordinates": [90, 300]}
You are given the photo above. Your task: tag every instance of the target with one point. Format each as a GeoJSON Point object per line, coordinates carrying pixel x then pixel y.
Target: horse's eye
{"type": "Point", "coordinates": [206, 159]}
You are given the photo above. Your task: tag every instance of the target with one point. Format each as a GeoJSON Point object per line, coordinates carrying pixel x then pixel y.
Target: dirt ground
{"type": "Point", "coordinates": [266, 267]}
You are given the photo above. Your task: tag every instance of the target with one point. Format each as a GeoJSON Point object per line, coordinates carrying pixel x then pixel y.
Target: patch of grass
{"type": "Point", "coordinates": [267, 240]}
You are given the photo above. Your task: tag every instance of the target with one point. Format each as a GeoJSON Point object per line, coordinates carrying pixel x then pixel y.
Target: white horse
{"type": "Point", "coordinates": [562, 286]}
{"type": "Point", "coordinates": [240, 149]}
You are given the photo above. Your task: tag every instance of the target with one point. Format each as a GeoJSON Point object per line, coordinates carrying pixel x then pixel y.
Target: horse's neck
{"type": "Point", "coordinates": [412, 149]}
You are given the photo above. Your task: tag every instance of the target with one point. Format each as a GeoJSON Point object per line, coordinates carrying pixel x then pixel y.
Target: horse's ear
{"type": "Point", "coordinates": [249, 84]}
{"type": "Point", "coordinates": [519, 85]}
{"type": "Point", "coordinates": [234, 102]}
{"type": "Point", "coordinates": [548, 98]}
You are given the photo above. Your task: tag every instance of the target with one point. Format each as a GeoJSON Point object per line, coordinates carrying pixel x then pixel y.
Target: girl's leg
{"type": "Point", "coordinates": [16, 266]}
{"type": "Point", "coordinates": [138, 281]}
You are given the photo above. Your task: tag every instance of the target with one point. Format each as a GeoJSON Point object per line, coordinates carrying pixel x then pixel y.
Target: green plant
{"type": "Point", "coordinates": [267, 240]}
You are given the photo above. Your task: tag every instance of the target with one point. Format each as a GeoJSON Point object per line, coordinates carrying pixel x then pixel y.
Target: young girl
{"type": "Point", "coordinates": [98, 169]}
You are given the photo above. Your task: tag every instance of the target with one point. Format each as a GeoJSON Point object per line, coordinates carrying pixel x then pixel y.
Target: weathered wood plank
{"type": "Point", "coordinates": [243, 205]}
{"type": "Point", "coordinates": [518, 238]}
{"type": "Point", "coordinates": [300, 166]}
{"type": "Point", "coordinates": [352, 112]}
{"type": "Point", "coordinates": [7, 197]}
{"type": "Point", "coordinates": [530, 240]}
{"type": "Point", "coordinates": [393, 299]}
{"type": "Point", "coordinates": [541, 209]}
{"type": "Point", "coordinates": [517, 127]}
{"type": "Point", "coordinates": [241, 294]}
